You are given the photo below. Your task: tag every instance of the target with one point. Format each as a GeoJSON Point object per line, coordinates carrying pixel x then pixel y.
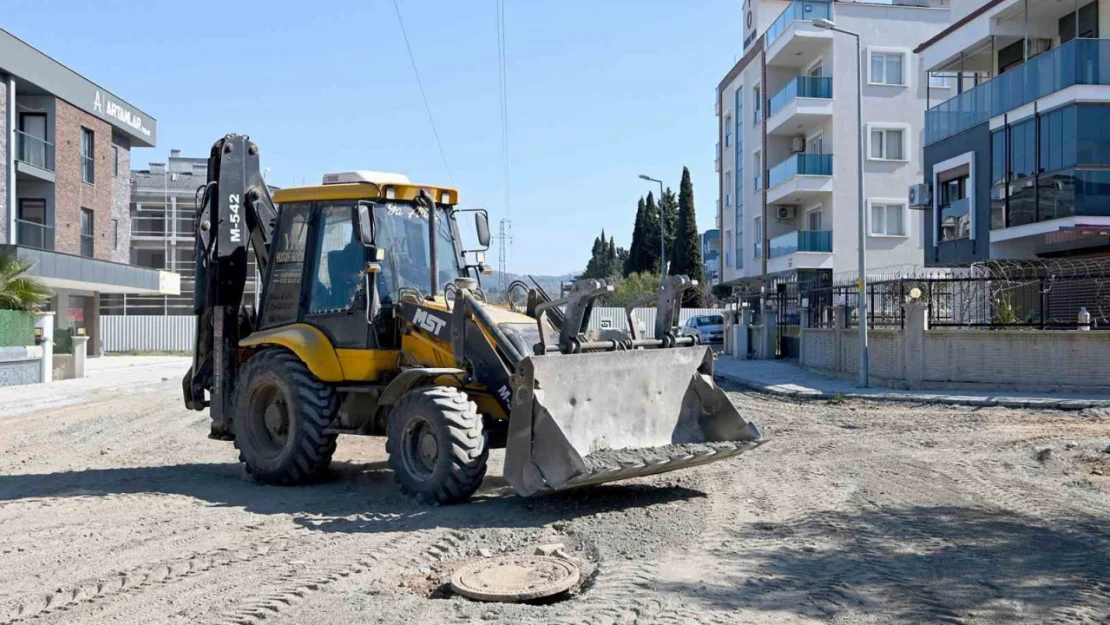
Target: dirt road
{"type": "Point", "coordinates": [119, 510]}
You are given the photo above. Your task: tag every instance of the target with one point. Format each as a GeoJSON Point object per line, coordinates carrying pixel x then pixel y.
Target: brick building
{"type": "Point", "coordinates": [65, 186]}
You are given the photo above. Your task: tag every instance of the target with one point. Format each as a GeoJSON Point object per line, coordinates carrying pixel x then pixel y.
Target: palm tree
{"type": "Point", "coordinates": [19, 291]}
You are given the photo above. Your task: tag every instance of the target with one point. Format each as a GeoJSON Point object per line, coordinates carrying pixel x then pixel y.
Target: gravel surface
{"type": "Point", "coordinates": [119, 510]}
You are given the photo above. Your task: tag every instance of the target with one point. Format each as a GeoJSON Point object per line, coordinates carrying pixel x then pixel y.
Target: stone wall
{"type": "Point", "coordinates": [71, 192]}
{"type": "Point", "coordinates": [121, 201]}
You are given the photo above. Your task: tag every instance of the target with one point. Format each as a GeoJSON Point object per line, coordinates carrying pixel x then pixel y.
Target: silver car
{"type": "Point", "coordinates": [708, 328]}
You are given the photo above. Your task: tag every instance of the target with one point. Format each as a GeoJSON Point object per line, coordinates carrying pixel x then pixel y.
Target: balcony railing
{"type": "Point", "coordinates": [799, 10]}
{"type": "Point", "coordinates": [34, 151]}
{"type": "Point", "coordinates": [1077, 62]}
{"type": "Point", "coordinates": [801, 241]}
{"type": "Point", "coordinates": [34, 234]}
{"type": "Point", "coordinates": [801, 87]}
{"type": "Point", "coordinates": [800, 165]}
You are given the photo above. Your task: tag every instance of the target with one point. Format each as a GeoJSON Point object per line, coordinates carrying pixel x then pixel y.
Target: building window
{"type": "Point", "coordinates": [114, 234]}
{"type": "Point", "coordinates": [87, 166]}
{"type": "Point", "coordinates": [115, 161]}
{"type": "Point", "coordinates": [998, 179]}
{"type": "Point", "coordinates": [955, 213]}
{"type": "Point", "coordinates": [757, 224]}
{"type": "Point", "coordinates": [813, 220]}
{"type": "Point", "coordinates": [728, 246]}
{"type": "Point", "coordinates": [888, 219]}
{"type": "Point", "coordinates": [887, 68]}
{"type": "Point", "coordinates": [757, 164]}
{"type": "Point", "coordinates": [887, 144]}
{"type": "Point", "coordinates": [86, 233]}
{"type": "Point", "coordinates": [728, 130]}
{"type": "Point", "coordinates": [1023, 173]}
{"type": "Point", "coordinates": [728, 188]}
{"type": "Point", "coordinates": [757, 102]}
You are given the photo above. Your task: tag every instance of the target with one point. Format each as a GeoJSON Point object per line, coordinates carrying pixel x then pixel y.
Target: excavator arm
{"type": "Point", "coordinates": [235, 218]}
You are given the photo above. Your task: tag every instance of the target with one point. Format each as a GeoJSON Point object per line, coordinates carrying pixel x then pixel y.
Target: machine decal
{"type": "Point", "coordinates": [431, 323]}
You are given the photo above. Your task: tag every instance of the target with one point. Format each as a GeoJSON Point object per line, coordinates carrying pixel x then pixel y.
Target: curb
{"type": "Point", "coordinates": [948, 400]}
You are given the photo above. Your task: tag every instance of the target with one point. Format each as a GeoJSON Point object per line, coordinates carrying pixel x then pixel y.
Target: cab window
{"type": "Point", "coordinates": [338, 275]}
{"type": "Point", "coordinates": [281, 303]}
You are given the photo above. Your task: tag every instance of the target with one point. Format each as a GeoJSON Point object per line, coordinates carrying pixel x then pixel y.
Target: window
{"type": "Point", "coordinates": [283, 292]}
{"type": "Point", "coordinates": [758, 227]}
{"type": "Point", "coordinates": [728, 188]}
{"type": "Point", "coordinates": [87, 167]}
{"type": "Point", "coordinates": [86, 233]}
{"type": "Point", "coordinates": [940, 80]}
{"type": "Point", "coordinates": [886, 68]}
{"type": "Point", "coordinates": [815, 71]}
{"type": "Point", "coordinates": [728, 130]}
{"type": "Point", "coordinates": [1023, 173]}
{"type": "Point", "coordinates": [728, 246]}
{"type": "Point", "coordinates": [114, 234]}
{"type": "Point", "coordinates": [816, 145]}
{"type": "Point", "coordinates": [757, 101]}
{"type": "Point", "coordinates": [954, 219]}
{"type": "Point", "coordinates": [31, 141]}
{"type": "Point", "coordinates": [32, 228]}
{"type": "Point", "coordinates": [1088, 24]}
{"type": "Point", "coordinates": [757, 166]}
{"type": "Point", "coordinates": [888, 219]}
{"type": "Point", "coordinates": [115, 161]}
{"type": "Point", "coordinates": [813, 220]}
{"type": "Point", "coordinates": [888, 144]}
{"type": "Point", "coordinates": [341, 259]}
{"type": "Point", "coordinates": [998, 179]}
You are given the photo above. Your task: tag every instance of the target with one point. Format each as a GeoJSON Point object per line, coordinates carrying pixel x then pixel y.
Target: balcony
{"type": "Point", "coordinates": [800, 177]}
{"type": "Point", "coordinates": [1077, 62]}
{"type": "Point", "coordinates": [792, 40]}
{"type": "Point", "coordinates": [34, 234]}
{"type": "Point", "coordinates": [800, 249]}
{"type": "Point", "coordinates": [804, 104]}
{"type": "Point", "coordinates": [34, 156]}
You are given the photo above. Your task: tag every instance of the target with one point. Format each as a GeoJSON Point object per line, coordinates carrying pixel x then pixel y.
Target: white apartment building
{"type": "Point", "coordinates": [787, 156]}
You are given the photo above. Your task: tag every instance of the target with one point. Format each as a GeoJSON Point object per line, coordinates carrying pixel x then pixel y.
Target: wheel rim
{"type": "Point", "coordinates": [268, 420]}
{"type": "Point", "coordinates": [420, 448]}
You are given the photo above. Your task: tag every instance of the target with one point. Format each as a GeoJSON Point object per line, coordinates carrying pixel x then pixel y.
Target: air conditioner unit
{"type": "Point", "coordinates": [798, 145]}
{"type": "Point", "coordinates": [921, 196]}
{"type": "Point", "coordinates": [786, 213]}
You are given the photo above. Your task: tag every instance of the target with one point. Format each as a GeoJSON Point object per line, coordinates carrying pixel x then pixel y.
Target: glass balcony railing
{"type": "Point", "coordinates": [798, 11]}
{"type": "Point", "coordinates": [34, 234]}
{"type": "Point", "coordinates": [801, 241]}
{"type": "Point", "coordinates": [800, 165]}
{"type": "Point", "coordinates": [34, 151]}
{"type": "Point", "coordinates": [801, 87]}
{"type": "Point", "coordinates": [1077, 62]}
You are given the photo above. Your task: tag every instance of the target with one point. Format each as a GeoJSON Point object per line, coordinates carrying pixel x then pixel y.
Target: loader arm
{"type": "Point", "coordinates": [234, 219]}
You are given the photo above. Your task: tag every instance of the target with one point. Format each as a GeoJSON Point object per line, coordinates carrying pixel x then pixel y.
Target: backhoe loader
{"type": "Point", "coordinates": [372, 321]}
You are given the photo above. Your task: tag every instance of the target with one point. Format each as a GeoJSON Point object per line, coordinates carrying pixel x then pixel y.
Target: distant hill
{"type": "Point", "coordinates": [549, 283]}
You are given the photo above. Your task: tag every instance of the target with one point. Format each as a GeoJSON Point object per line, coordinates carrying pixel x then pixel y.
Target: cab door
{"type": "Point", "coordinates": [336, 280]}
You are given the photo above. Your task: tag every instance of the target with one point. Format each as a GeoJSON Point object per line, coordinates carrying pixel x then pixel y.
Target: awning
{"type": "Point", "coordinates": [65, 271]}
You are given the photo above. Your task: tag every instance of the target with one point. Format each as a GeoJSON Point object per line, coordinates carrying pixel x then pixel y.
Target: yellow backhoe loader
{"type": "Point", "coordinates": [372, 321]}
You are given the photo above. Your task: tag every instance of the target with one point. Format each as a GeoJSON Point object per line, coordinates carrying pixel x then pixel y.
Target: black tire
{"type": "Point", "coordinates": [439, 417]}
{"type": "Point", "coordinates": [281, 412]}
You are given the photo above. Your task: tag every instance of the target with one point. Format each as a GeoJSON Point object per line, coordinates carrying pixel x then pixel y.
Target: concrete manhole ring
{"type": "Point", "coordinates": [510, 579]}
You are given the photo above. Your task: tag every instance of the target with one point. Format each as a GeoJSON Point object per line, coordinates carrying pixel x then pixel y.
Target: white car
{"type": "Point", "coordinates": [708, 328]}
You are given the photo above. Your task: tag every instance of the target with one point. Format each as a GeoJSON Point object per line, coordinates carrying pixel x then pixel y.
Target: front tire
{"type": "Point", "coordinates": [282, 411]}
{"type": "Point", "coordinates": [436, 445]}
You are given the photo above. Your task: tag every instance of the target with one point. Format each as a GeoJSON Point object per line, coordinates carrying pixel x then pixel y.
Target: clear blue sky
{"type": "Point", "coordinates": [599, 92]}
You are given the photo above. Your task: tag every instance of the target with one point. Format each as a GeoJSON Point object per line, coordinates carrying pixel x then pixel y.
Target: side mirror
{"type": "Point", "coordinates": [481, 224]}
{"type": "Point", "coordinates": [366, 228]}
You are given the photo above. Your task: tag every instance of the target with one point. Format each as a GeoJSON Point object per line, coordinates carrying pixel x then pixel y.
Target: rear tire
{"type": "Point", "coordinates": [436, 445]}
{"type": "Point", "coordinates": [282, 411]}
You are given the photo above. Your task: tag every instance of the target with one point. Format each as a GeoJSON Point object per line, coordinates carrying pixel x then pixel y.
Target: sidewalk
{"type": "Point", "coordinates": [779, 377]}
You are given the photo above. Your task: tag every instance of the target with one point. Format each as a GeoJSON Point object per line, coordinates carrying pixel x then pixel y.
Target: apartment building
{"type": "Point", "coordinates": [1017, 159]}
{"type": "Point", "coordinates": [788, 138]}
{"type": "Point", "coordinates": [65, 146]}
{"type": "Point", "coordinates": [162, 212]}
{"type": "Point", "coordinates": [711, 255]}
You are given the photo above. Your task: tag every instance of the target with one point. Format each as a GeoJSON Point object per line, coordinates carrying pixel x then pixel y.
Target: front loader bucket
{"type": "Point", "coordinates": [584, 419]}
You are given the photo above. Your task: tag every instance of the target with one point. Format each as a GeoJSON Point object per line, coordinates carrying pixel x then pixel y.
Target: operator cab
{"type": "Point", "coordinates": [354, 246]}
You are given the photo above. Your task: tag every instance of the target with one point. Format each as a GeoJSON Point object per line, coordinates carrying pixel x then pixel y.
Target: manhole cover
{"type": "Point", "coordinates": [514, 578]}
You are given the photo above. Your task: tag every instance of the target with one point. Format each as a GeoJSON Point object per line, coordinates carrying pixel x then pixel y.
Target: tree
{"type": "Point", "coordinates": [602, 264]}
{"type": "Point", "coordinates": [634, 253]}
{"type": "Point", "coordinates": [18, 291]}
{"type": "Point", "coordinates": [651, 240]}
{"type": "Point", "coordinates": [633, 287]}
{"type": "Point", "coordinates": [615, 266]}
{"type": "Point", "coordinates": [669, 204]}
{"type": "Point", "coordinates": [686, 257]}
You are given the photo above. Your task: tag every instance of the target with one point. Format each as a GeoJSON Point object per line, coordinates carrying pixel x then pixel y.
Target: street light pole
{"type": "Point", "coordinates": [662, 229]}
{"type": "Point", "coordinates": [861, 284]}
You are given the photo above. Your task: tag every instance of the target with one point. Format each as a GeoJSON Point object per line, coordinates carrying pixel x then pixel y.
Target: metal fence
{"type": "Point", "coordinates": [142, 333]}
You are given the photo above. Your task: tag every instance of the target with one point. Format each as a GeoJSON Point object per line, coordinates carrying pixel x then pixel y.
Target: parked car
{"type": "Point", "coordinates": [708, 328]}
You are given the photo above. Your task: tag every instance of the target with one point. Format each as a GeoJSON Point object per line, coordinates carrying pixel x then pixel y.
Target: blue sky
{"type": "Point", "coordinates": [599, 92]}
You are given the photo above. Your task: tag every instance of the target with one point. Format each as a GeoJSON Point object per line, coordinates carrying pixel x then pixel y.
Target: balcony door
{"type": "Point", "coordinates": [33, 227]}
{"type": "Point", "coordinates": [813, 220]}
{"type": "Point", "coordinates": [32, 142]}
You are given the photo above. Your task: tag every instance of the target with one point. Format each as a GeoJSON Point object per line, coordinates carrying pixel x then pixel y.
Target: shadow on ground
{"type": "Point", "coordinates": [917, 565]}
{"type": "Point", "coordinates": [355, 498]}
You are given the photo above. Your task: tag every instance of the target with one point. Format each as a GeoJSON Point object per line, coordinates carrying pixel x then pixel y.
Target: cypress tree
{"type": "Point", "coordinates": [652, 232]}
{"type": "Point", "coordinates": [632, 262]}
{"type": "Point", "coordinates": [611, 258]}
{"type": "Point", "coordinates": [669, 204]}
{"type": "Point", "coordinates": [686, 259]}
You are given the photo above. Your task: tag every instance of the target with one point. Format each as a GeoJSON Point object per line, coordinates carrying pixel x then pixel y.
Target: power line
{"type": "Point", "coordinates": [419, 83]}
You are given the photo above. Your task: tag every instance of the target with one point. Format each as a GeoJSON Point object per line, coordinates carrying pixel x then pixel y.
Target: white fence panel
{"type": "Point", "coordinates": [617, 319]}
{"type": "Point", "coordinates": [147, 333]}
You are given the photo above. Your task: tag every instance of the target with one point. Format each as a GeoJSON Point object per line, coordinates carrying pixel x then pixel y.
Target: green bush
{"type": "Point", "coordinates": [17, 328]}
{"type": "Point", "coordinates": [63, 341]}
